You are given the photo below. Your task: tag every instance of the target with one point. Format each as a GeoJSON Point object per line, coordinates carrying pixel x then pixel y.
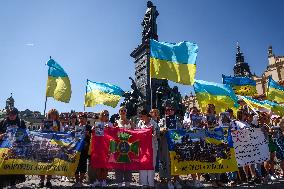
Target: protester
{"type": "Point", "coordinates": [12, 121]}
{"type": "Point", "coordinates": [169, 122]}
{"type": "Point", "coordinates": [211, 117]}
{"type": "Point", "coordinates": [51, 124]}
{"type": "Point", "coordinates": [82, 130]}
{"type": "Point", "coordinates": [70, 128]}
{"type": "Point", "coordinates": [147, 176]}
{"type": "Point", "coordinates": [120, 174]}
{"type": "Point", "coordinates": [269, 165]}
{"type": "Point", "coordinates": [101, 173]}
{"type": "Point", "coordinates": [155, 115]}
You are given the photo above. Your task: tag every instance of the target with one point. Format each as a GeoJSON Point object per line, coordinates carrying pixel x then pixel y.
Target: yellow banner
{"type": "Point", "coordinates": [189, 167]}
{"type": "Point", "coordinates": [28, 167]}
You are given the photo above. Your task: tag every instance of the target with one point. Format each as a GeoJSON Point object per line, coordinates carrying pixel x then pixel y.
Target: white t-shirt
{"type": "Point", "coordinates": [125, 126]}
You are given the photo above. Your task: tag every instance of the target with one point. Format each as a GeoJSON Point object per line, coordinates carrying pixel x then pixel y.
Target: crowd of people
{"type": "Point", "coordinates": [271, 125]}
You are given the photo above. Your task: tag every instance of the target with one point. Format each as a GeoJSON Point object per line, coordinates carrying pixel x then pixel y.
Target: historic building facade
{"type": "Point", "coordinates": [275, 69]}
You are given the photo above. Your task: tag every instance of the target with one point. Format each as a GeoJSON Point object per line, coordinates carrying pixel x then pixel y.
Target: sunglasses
{"type": "Point", "coordinates": [122, 110]}
{"type": "Point", "coordinates": [105, 114]}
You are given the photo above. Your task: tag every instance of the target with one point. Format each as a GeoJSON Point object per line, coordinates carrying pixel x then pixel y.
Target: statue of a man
{"type": "Point", "coordinates": [149, 23]}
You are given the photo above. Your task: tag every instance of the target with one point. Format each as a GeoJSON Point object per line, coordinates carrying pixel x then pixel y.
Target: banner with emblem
{"type": "Point", "coordinates": [120, 148]}
{"type": "Point", "coordinates": [200, 151]}
{"type": "Point", "coordinates": [39, 153]}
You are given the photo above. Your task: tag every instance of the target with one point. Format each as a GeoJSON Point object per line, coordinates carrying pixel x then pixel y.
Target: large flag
{"type": "Point", "coordinates": [275, 92]}
{"type": "Point", "coordinates": [264, 105]}
{"type": "Point", "coordinates": [242, 85]}
{"type": "Point", "coordinates": [220, 95]}
{"type": "Point", "coordinates": [200, 151]}
{"type": "Point", "coordinates": [39, 153]}
{"type": "Point", "coordinates": [58, 84]}
{"type": "Point", "coordinates": [102, 93]}
{"type": "Point", "coordinates": [173, 61]}
{"type": "Point", "coordinates": [122, 149]}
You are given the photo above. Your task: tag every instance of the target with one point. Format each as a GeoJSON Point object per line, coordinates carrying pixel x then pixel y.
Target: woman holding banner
{"type": "Point", "coordinates": [101, 173]}
{"type": "Point", "coordinates": [82, 130]}
{"type": "Point", "coordinates": [11, 122]}
{"type": "Point", "coordinates": [147, 176]}
{"type": "Point", "coordinates": [51, 124]}
{"type": "Point", "coordinates": [120, 174]}
{"type": "Point", "coordinates": [170, 121]}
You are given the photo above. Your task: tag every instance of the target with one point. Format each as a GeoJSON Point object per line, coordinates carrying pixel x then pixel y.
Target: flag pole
{"type": "Point", "coordinates": [45, 105]}
{"type": "Point", "coordinates": [85, 96]}
{"type": "Point", "coordinates": [46, 96]}
{"type": "Point", "coordinates": [151, 91]}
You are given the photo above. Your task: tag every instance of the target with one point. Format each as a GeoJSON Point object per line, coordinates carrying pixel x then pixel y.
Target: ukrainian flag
{"type": "Point", "coordinates": [220, 95]}
{"type": "Point", "coordinates": [269, 105]}
{"type": "Point", "coordinates": [173, 61]}
{"type": "Point", "coordinates": [254, 103]}
{"type": "Point", "coordinates": [275, 92]}
{"type": "Point", "coordinates": [58, 84]}
{"type": "Point", "coordinates": [102, 93]}
{"type": "Point", "coordinates": [242, 85]}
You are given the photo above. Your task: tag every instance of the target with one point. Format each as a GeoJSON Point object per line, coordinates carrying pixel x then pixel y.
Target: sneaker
{"type": "Point", "coordinates": [48, 184]}
{"type": "Point", "coordinates": [273, 177]}
{"type": "Point", "coordinates": [103, 184]}
{"type": "Point", "coordinates": [96, 183]}
{"type": "Point", "coordinates": [41, 185]}
{"type": "Point", "coordinates": [170, 185]}
{"type": "Point", "coordinates": [13, 187]}
{"type": "Point", "coordinates": [232, 183]}
{"type": "Point", "coordinates": [63, 178]}
{"type": "Point", "coordinates": [177, 185]}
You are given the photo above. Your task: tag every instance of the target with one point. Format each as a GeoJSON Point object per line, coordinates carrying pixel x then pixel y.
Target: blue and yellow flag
{"type": "Point", "coordinates": [275, 92]}
{"type": "Point", "coordinates": [102, 93]}
{"type": "Point", "coordinates": [268, 105]}
{"type": "Point", "coordinates": [242, 85]}
{"type": "Point", "coordinates": [220, 95]}
{"type": "Point", "coordinates": [58, 84]}
{"type": "Point", "coordinates": [173, 61]}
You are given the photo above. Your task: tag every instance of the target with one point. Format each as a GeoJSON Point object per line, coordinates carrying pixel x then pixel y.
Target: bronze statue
{"type": "Point", "coordinates": [149, 23]}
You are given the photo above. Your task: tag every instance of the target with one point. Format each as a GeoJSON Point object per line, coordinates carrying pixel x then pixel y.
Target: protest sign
{"type": "Point", "coordinates": [200, 151]}
{"type": "Point", "coordinates": [250, 146]}
{"type": "Point", "coordinates": [39, 153]}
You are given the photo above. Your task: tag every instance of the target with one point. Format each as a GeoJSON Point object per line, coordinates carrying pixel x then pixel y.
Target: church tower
{"type": "Point", "coordinates": [241, 68]}
{"type": "Point", "coordinates": [10, 102]}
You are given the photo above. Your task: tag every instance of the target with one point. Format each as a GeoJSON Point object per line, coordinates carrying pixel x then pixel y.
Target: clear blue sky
{"type": "Point", "coordinates": [93, 39]}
